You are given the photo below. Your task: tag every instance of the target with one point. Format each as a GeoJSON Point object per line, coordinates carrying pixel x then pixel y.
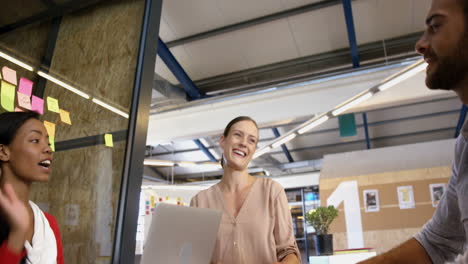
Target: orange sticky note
{"type": "Point", "coordinates": [53, 105]}
{"type": "Point", "coordinates": [65, 116]}
{"type": "Point", "coordinates": [7, 95]}
{"type": "Point", "coordinates": [9, 75]}
{"type": "Point", "coordinates": [50, 127]}
{"type": "Point", "coordinates": [108, 140]}
{"type": "Point", "coordinates": [24, 101]}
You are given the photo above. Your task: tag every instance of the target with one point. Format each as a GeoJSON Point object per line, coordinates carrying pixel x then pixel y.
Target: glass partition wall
{"type": "Point", "coordinates": [91, 71]}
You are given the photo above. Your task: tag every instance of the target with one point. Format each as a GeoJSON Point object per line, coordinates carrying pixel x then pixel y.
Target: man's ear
{"type": "Point", "coordinates": [4, 153]}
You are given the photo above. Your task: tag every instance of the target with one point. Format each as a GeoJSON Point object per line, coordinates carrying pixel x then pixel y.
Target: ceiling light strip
{"type": "Point", "coordinates": [314, 123]}
{"type": "Point", "coordinates": [166, 163]}
{"type": "Point", "coordinates": [62, 84]}
{"type": "Point", "coordinates": [283, 140]}
{"type": "Point", "coordinates": [261, 151]}
{"type": "Point", "coordinates": [16, 61]}
{"type": "Point", "coordinates": [352, 103]}
{"type": "Point", "coordinates": [111, 108]}
{"type": "Point", "coordinates": [406, 73]}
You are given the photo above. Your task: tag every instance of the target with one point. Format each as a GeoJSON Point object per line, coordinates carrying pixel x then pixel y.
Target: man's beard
{"type": "Point", "coordinates": [452, 69]}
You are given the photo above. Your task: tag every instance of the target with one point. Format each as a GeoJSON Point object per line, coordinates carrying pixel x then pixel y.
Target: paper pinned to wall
{"type": "Point", "coordinates": [25, 86]}
{"type": "Point", "coordinates": [65, 116]}
{"type": "Point", "coordinates": [8, 96]}
{"type": "Point", "coordinates": [24, 100]}
{"type": "Point", "coordinates": [108, 140]}
{"type": "Point", "coordinates": [53, 105]}
{"type": "Point", "coordinates": [17, 109]}
{"type": "Point", "coordinates": [406, 197]}
{"type": "Point", "coordinates": [371, 200]}
{"type": "Point", "coordinates": [50, 127]}
{"type": "Point", "coordinates": [9, 75]}
{"type": "Point", "coordinates": [37, 104]}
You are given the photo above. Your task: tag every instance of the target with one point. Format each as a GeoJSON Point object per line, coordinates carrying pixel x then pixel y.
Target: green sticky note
{"type": "Point", "coordinates": [109, 140]}
{"type": "Point", "coordinates": [53, 105]}
{"type": "Point", "coordinates": [8, 96]}
{"type": "Point", "coordinates": [347, 125]}
{"type": "Point", "coordinates": [52, 143]}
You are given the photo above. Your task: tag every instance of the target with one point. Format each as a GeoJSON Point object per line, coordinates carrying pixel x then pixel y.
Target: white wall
{"type": "Point", "coordinates": [398, 158]}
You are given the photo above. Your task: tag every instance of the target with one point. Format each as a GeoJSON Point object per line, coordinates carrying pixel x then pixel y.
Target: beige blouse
{"type": "Point", "coordinates": [262, 231]}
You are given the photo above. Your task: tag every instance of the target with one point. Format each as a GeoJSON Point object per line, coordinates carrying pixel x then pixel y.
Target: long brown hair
{"type": "Point", "coordinates": [227, 129]}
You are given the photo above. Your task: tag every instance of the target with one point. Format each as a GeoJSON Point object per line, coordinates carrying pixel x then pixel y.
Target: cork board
{"type": "Point", "coordinates": [390, 215]}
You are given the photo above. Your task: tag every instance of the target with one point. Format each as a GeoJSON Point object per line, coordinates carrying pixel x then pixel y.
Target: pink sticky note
{"type": "Point", "coordinates": [24, 100]}
{"type": "Point", "coordinates": [37, 104]}
{"type": "Point", "coordinates": [25, 86]}
{"type": "Point", "coordinates": [9, 75]}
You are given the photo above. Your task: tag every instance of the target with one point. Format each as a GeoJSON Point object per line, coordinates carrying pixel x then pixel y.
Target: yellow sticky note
{"type": "Point", "coordinates": [65, 116]}
{"type": "Point", "coordinates": [50, 127]}
{"type": "Point", "coordinates": [108, 140]}
{"type": "Point", "coordinates": [52, 143]}
{"type": "Point", "coordinates": [7, 96]}
{"type": "Point", "coordinates": [167, 197]}
{"type": "Point", "coordinates": [53, 105]}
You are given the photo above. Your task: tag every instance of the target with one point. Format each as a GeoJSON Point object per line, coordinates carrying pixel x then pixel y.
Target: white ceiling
{"type": "Point", "coordinates": [284, 39]}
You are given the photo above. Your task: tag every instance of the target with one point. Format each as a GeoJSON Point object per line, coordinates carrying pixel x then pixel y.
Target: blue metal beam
{"type": "Point", "coordinates": [205, 150]}
{"type": "Point", "coordinates": [366, 129]}
{"type": "Point", "coordinates": [171, 62]}
{"type": "Point", "coordinates": [285, 149]}
{"type": "Point", "coordinates": [461, 120]}
{"type": "Point", "coordinates": [348, 12]}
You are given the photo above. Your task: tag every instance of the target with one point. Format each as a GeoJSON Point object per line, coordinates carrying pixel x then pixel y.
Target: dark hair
{"type": "Point", "coordinates": [11, 122]}
{"type": "Point", "coordinates": [230, 124]}
{"type": "Point", "coordinates": [464, 5]}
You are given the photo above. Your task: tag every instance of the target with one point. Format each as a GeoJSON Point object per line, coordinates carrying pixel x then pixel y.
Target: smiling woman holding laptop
{"type": "Point", "coordinates": [256, 225]}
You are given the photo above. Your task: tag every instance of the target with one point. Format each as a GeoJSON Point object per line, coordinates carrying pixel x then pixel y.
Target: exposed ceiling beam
{"type": "Point", "coordinates": [171, 62]}
{"type": "Point", "coordinates": [52, 12]}
{"type": "Point", "coordinates": [310, 67]}
{"type": "Point", "coordinates": [283, 147]}
{"type": "Point", "coordinates": [348, 13]}
{"type": "Point", "coordinates": [253, 22]}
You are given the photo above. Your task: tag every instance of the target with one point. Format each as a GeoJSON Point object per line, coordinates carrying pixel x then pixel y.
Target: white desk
{"type": "Point", "coordinates": [350, 258]}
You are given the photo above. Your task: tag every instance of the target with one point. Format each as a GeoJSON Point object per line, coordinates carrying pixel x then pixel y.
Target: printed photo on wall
{"type": "Point", "coordinates": [437, 190]}
{"type": "Point", "coordinates": [405, 197]}
{"type": "Point", "coordinates": [371, 200]}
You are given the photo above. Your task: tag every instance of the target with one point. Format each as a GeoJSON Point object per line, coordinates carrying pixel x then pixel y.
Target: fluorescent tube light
{"type": "Point", "coordinates": [64, 85]}
{"type": "Point", "coordinates": [355, 102]}
{"type": "Point", "coordinates": [214, 165]}
{"type": "Point", "coordinates": [313, 124]}
{"type": "Point", "coordinates": [158, 162]}
{"type": "Point", "coordinates": [262, 151]}
{"type": "Point", "coordinates": [403, 75]}
{"type": "Point", "coordinates": [186, 163]}
{"type": "Point", "coordinates": [283, 140]}
{"type": "Point", "coordinates": [15, 61]}
{"type": "Point", "coordinates": [111, 108]}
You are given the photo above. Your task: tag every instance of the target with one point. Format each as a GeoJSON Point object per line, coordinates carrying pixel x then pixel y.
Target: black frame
{"type": "Point", "coordinates": [127, 212]}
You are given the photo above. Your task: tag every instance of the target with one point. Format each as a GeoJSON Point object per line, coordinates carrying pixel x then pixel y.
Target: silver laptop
{"type": "Point", "coordinates": [181, 235]}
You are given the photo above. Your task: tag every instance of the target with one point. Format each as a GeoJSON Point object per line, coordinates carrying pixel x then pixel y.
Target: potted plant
{"type": "Point", "coordinates": [321, 218]}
